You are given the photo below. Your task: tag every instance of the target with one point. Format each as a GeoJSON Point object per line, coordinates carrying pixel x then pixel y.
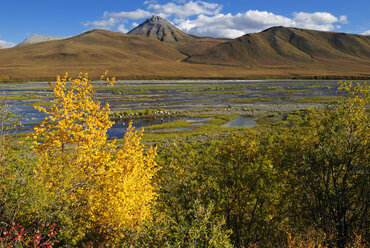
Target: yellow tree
{"type": "Point", "coordinates": [107, 187]}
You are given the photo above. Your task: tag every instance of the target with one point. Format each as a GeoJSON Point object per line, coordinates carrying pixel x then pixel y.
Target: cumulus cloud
{"type": "Point", "coordinates": [6, 44]}
{"type": "Point", "coordinates": [129, 15]}
{"type": "Point", "coordinates": [150, 2]}
{"type": "Point", "coordinates": [232, 26]}
{"type": "Point", "coordinates": [104, 24]}
{"type": "Point", "coordinates": [111, 19]}
{"type": "Point", "coordinates": [319, 20]}
{"type": "Point", "coordinates": [178, 10]}
{"type": "Point", "coordinates": [183, 10]}
{"type": "Point", "coordinates": [121, 28]}
{"type": "Point", "coordinates": [206, 19]}
{"type": "Point", "coordinates": [366, 32]}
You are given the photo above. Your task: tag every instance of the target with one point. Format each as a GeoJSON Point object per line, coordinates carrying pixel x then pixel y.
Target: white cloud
{"type": "Point", "coordinates": [185, 9]}
{"type": "Point", "coordinates": [179, 10]}
{"type": "Point", "coordinates": [150, 2]}
{"type": "Point", "coordinates": [206, 19]}
{"type": "Point", "coordinates": [319, 20]}
{"type": "Point", "coordinates": [6, 44]}
{"type": "Point", "coordinates": [366, 32]}
{"type": "Point", "coordinates": [129, 15]}
{"type": "Point", "coordinates": [232, 26]}
{"type": "Point", "coordinates": [121, 28]}
{"type": "Point", "coordinates": [104, 24]}
{"type": "Point", "coordinates": [317, 17]}
{"type": "Point", "coordinates": [111, 19]}
{"type": "Point", "coordinates": [343, 19]}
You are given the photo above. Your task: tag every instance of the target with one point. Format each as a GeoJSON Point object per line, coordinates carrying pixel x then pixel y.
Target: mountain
{"type": "Point", "coordinates": [36, 38]}
{"type": "Point", "coordinates": [280, 46]}
{"type": "Point", "coordinates": [161, 29]}
{"type": "Point", "coordinates": [277, 52]}
{"type": "Point", "coordinates": [93, 51]}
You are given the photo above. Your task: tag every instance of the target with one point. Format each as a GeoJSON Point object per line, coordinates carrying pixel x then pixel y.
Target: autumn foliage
{"type": "Point", "coordinates": [299, 182]}
{"type": "Point", "coordinates": [16, 236]}
{"type": "Point", "coordinates": [109, 187]}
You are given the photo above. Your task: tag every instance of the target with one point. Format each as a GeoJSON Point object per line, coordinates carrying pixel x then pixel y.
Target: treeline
{"type": "Point", "coordinates": [299, 183]}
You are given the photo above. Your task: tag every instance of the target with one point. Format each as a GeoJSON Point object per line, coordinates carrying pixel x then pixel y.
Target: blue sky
{"type": "Point", "coordinates": [218, 18]}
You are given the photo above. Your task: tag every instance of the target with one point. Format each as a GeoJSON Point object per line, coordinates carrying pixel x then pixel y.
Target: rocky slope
{"type": "Point", "coordinates": [37, 38]}
{"type": "Point", "coordinates": [161, 29]}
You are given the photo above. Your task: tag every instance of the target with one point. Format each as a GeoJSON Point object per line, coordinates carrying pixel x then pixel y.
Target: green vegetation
{"type": "Point", "coordinates": [288, 91]}
{"type": "Point", "coordinates": [177, 124]}
{"type": "Point", "coordinates": [17, 97]}
{"type": "Point", "coordinates": [304, 181]}
{"type": "Point", "coordinates": [242, 91]}
{"type": "Point", "coordinates": [301, 99]}
{"type": "Point", "coordinates": [173, 130]}
{"type": "Point", "coordinates": [219, 88]}
{"type": "Point", "coordinates": [146, 113]}
{"type": "Point", "coordinates": [134, 88]}
{"type": "Point", "coordinates": [299, 182]}
{"type": "Point", "coordinates": [131, 99]}
{"type": "Point", "coordinates": [40, 103]}
{"type": "Point", "coordinates": [253, 99]}
{"type": "Point", "coordinates": [120, 90]}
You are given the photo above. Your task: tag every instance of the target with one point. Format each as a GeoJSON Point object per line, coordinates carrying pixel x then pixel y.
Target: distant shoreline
{"type": "Point", "coordinates": [216, 80]}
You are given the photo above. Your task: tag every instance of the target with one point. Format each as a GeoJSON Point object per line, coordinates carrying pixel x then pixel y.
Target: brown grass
{"type": "Point", "coordinates": [137, 57]}
{"type": "Point", "coordinates": [296, 48]}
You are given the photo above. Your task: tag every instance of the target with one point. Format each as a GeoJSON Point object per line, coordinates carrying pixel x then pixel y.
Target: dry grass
{"type": "Point", "coordinates": [296, 48]}
{"type": "Point", "coordinates": [137, 57]}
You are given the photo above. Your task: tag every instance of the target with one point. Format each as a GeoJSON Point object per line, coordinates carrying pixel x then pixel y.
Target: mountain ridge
{"type": "Point", "coordinates": [288, 45]}
{"type": "Point", "coordinates": [277, 52]}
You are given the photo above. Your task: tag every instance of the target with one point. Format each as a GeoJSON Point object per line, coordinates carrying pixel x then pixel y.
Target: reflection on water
{"type": "Point", "coordinates": [200, 119]}
{"type": "Point", "coordinates": [241, 121]}
{"type": "Point", "coordinates": [119, 129]}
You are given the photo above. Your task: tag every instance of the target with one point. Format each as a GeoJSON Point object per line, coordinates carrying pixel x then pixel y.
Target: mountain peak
{"type": "Point", "coordinates": [161, 29]}
{"type": "Point", "coordinates": [37, 38]}
{"type": "Point", "coordinates": [155, 19]}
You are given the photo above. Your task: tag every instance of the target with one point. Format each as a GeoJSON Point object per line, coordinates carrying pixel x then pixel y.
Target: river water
{"type": "Point", "coordinates": [171, 95]}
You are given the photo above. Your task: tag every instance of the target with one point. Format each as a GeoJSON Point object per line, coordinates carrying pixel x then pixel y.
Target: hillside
{"type": "Point", "coordinates": [93, 51]}
{"type": "Point", "coordinates": [199, 45]}
{"type": "Point", "coordinates": [274, 53]}
{"type": "Point", "coordinates": [280, 46]}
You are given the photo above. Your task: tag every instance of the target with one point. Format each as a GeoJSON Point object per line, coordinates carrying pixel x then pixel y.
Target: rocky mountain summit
{"type": "Point", "coordinates": [161, 29]}
{"type": "Point", "coordinates": [37, 38]}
